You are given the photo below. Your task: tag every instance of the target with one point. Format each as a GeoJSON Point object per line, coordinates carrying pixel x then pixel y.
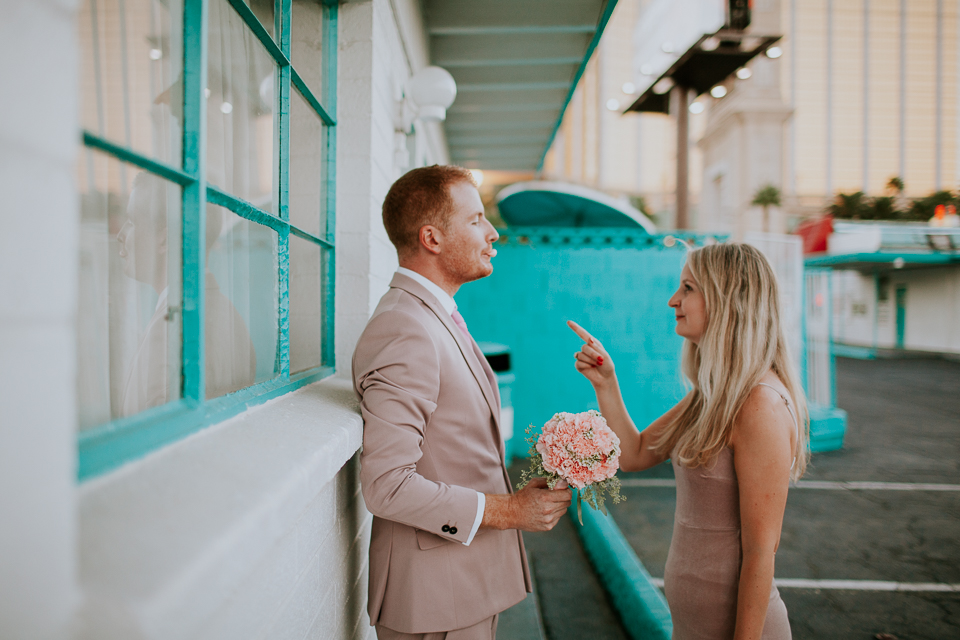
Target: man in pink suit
{"type": "Point", "coordinates": [446, 554]}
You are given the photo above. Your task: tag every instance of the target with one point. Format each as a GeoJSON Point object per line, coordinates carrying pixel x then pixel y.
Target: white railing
{"type": "Point", "coordinates": [819, 364]}
{"type": "Point", "coordinates": [785, 253]}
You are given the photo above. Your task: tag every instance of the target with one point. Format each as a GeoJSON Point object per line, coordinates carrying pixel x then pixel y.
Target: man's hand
{"type": "Point", "coordinates": [533, 508]}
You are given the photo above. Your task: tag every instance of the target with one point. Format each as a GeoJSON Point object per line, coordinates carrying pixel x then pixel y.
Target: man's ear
{"type": "Point", "coordinates": [431, 238]}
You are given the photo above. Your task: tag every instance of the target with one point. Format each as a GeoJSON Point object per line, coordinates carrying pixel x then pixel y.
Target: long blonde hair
{"type": "Point", "coordinates": [742, 340]}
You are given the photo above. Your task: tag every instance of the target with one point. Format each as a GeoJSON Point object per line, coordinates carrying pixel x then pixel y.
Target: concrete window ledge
{"type": "Point", "coordinates": [166, 542]}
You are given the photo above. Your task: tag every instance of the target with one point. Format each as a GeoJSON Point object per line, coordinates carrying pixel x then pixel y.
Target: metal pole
{"type": "Point", "coordinates": [680, 102]}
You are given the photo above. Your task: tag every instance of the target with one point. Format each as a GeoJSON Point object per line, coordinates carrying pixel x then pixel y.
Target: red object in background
{"type": "Point", "coordinates": [814, 234]}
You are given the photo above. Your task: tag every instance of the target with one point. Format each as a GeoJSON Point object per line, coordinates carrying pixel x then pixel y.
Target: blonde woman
{"type": "Point", "coordinates": [735, 441]}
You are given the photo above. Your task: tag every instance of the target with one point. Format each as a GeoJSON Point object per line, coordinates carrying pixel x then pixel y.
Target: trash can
{"type": "Point", "coordinates": [498, 356]}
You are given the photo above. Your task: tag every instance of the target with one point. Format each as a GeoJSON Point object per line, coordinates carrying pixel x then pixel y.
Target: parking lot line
{"type": "Point", "coordinates": [816, 484]}
{"type": "Point", "coordinates": [855, 585]}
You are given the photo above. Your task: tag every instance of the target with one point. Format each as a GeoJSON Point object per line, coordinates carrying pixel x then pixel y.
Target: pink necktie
{"type": "Point", "coordinates": [459, 321]}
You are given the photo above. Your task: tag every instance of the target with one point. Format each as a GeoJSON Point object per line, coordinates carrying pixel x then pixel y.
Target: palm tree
{"type": "Point", "coordinates": [895, 187]}
{"type": "Point", "coordinates": [850, 206]}
{"type": "Point", "coordinates": [766, 196]}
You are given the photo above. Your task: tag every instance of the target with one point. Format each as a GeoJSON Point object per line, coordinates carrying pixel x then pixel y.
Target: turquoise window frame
{"type": "Point", "coordinates": [108, 446]}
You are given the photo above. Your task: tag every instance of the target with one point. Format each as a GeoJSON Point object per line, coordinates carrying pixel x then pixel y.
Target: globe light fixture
{"type": "Point", "coordinates": [710, 44]}
{"type": "Point", "coordinates": [663, 85]}
{"type": "Point", "coordinates": [432, 90]}
{"type": "Point", "coordinates": [613, 104]}
{"type": "Point", "coordinates": [696, 108]}
{"type": "Point", "coordinates": [646, 69]}
{"type": "Point", "coordinates": [774, 52]}
{"type": "Point", "coordinates": [718, 91]}
{"type": "Point", "coordinates": [667, 47]}
{"type": "Point", "coordinates": [743, 73]}
{"type": "Point", "coordinates": [628, 88]}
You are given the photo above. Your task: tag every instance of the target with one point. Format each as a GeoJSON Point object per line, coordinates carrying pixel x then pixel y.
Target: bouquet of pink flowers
{"type": "Point", "coordinates": [582, 450]}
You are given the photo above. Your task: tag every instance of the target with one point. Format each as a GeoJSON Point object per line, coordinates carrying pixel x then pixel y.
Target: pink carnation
{"type": "Point", "coordinates": [580, 448]}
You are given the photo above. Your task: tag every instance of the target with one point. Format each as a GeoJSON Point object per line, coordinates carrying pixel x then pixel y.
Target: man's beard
{"type": "Point", "coordinates": [465, 267]}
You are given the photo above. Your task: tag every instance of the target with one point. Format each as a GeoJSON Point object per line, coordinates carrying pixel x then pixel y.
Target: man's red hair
{"type": "Point", "coordinates": [420, 197]}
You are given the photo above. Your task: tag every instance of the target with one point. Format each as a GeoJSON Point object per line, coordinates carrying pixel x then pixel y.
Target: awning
{"type": "Point", "coordinates": [707, 63]}
{"type": "Point", "coordinates": [883, 260]}
{"type": "Point", "coordinates": [558, 204]}
{"type": "Point", "coordinates": [516, 63]}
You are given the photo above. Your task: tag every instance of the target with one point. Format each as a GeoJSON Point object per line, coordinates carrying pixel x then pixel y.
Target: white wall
{"type": "Point", "coordinates": [38, 270]}
{"type": "Point", "coordinates": [382, 43]}
{"type": "Point", "coordinates": [854, 305]}
{"type": "Point", "coordinates": [932, 309]}
{"type": "Point", "coordinates": [252, 528]}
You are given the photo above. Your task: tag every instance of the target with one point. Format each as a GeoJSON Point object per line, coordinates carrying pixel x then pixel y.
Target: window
{"type": "Point", "coordinates": [207, 192]}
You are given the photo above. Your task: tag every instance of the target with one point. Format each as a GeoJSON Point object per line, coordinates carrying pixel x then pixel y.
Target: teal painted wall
{"type": "Point", "coordinates": [616, 285]}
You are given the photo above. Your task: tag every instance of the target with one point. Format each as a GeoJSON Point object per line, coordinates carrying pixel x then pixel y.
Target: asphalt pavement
{"type": "Point", "coordinates": [845, 545]}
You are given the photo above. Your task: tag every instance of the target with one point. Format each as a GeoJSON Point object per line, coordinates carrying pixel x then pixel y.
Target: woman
{"type": "Point", "coordinates": [735, 441]}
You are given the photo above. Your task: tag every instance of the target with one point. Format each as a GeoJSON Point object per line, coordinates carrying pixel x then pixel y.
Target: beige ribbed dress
{"type": "Point", "coordinates": [702, 574]}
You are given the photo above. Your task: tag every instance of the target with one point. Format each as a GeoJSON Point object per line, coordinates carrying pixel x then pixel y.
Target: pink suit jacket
{"type": "Point", "coordinates": [431, 441]}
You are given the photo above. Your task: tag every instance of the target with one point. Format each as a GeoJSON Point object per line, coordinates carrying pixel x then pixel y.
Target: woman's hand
{"type": "Point", "coordinates": [593, 361]}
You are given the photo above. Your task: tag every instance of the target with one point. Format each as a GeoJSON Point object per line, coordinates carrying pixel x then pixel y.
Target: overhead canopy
{"type": "Point", "coordinates": [707, 63]}
{"type": "Point", "coordinates": [516, 63]}
{"type": "Point", "coordinates": [558, 204]}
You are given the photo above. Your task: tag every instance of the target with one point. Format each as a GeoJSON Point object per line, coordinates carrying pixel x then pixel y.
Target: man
{"type": "Point", "coordinates": [446, 555]}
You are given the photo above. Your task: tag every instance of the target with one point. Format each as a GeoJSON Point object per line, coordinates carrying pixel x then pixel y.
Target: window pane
{"type": "Point", "coordinates": [306, 43]}
{"type": "Point", "coordinates": [242, 80]}
{"type": "Point", "coordinates": [306, 305]}
{"type": "Point", "coordinates": [263, 9]}
{"type": "Point", "coordinates": [130, 73]}
{"type": "Point", "coordinates": [308, 142]}
{"type": "Point", "coordinates": [241, 323]}
{"type": "Point", "coordinates": [129, 324]}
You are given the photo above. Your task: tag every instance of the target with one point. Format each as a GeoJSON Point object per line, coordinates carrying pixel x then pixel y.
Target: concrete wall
{"type": "Point", "coordinates": [619, 295]}
{"type": "Point", "coordinates": [38, 273]}
{"type": "Point", "coordinates": [932, 321]}
{"type": "Point", "coordinates": [252, 528]}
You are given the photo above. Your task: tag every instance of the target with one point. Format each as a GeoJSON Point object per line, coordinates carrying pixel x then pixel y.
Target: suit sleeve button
{"type": "Point", "coordinates": [453, 531]}
{"type": "Point", "coordinates": [445, 528]}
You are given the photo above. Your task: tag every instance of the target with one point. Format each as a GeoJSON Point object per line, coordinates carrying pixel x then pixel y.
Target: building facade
{"type": "Point", "coordinates": [860, 92]}
{"type": "Point", "coordinates": [253, 525]}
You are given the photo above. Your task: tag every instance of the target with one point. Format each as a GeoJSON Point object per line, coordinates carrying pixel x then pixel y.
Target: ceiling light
{"type": "Point", "coordinates": [774, 52]}
{"type": "Point", "coordinates": [156, 54]}
{"type": "Point", "coordinates": [226, 107]}
{"type": "Point", "coordinates": [710, 44]}
{"type": "Point", "coordinates": [718, 91]}
{"type": "Point", "coordinates": [696, 107]}
{"type": "Point", "coordinates": [646, 69]}
{"type": "Point", "coordinates": [743, 73]}
{"type": "Point", "coordinates": [663, 85]}
{"type": "Point", "coordinates": [613, 104]}
{"type": "Point", "coordinates": [667, 47]}
{"type": "Point", "coordinates": [628, 88]}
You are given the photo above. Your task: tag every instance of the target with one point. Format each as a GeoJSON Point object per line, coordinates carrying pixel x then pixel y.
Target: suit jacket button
{"type": "Point", "coordinates": [453, 531]}
{"type": "Point", "coordinates": [445, 528]}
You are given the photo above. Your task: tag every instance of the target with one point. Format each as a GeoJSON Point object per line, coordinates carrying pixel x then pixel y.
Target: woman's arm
{"type": "Point", "coordinates": [596, 365]}
{"type": "Point", "coordinates": [761, 442]}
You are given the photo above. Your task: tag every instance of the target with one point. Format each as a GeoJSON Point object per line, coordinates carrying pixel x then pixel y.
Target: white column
{"type": "Point", "coordinates": [38, 295]}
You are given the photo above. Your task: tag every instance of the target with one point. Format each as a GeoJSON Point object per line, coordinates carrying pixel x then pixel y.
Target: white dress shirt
{"type": "Point", "coordinates": [446, 301]}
